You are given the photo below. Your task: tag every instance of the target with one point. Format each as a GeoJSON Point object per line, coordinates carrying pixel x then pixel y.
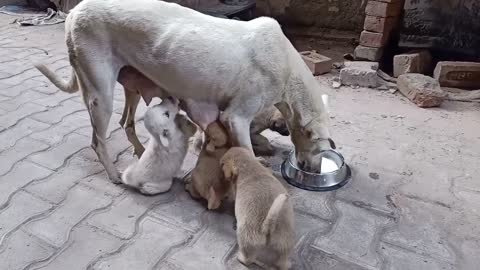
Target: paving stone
{"type": "Point", "coordinates": [23, 173]}
{"type": "Point", "coordinates": [353, 237]}
{"type": "Point", "coordinates": [54, 157]}
{"type": "Point", "coordinates": [120, 219]}
{"type": "Point", "coordinates": [56, 114]}
{"type": "Point", "coordinates": [15, 103]}
{"type": "Point", "coordinates": [12, 118]}
{"type": "Point", "coordinates": [183, 211]}
{"type": "Point", "coordinates": [313, 203]}
{"type": "Point", "coordinates": [421, 229]}
{"type": "Point", "coordinates": [23, 148]}
{"type": "Point", "coordinates": [99, 183]}
{"type": "Point", "coordinates": [370, 187]}
{"type": "Point", "coordinates": [211, 246]}
{"type": "Point", "coordinates": [318, 259]}
{"type": "Point", "coordinates": [14, 255]}
{"type": "Point", "coordinates": [85, 245]}
{"type": "Point", "coordinates": [56, 227]}
{"type": "Point", "coordinates": [359, 73]}
{"type": "Point", "coordinates": [21, 207]}
{"type": "Point", "coordinates": [402, 259]}
{"type": "Point", "coordinates": [458, 74]}
{"type": "Point", "coordinates": [412, 62]}
{"type": "Point", "coordinates": [432, 183]}
{"type": "Point", "coordinates": [55, 133]}
{"type": "Point", "coordinates": [422, 90]}
{"type": "Point", "coordinates": [24, 128]}
{"type": "Point", "coordinates": [17, 79]}
{"type": "Point", "coordinates": [16, 89]}
{"type": "Point", "coordinates": [152, 242]}
{"type": "Point", "coordinates": [55, 187]}
{"type": "Point", "coordinates": [469, 249]}
{"type": "Point", "coordinates": [55, 99]}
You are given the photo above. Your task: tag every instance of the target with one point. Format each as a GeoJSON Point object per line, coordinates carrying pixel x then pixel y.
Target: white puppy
{"type": "Point", "coordinates": [169, 133]}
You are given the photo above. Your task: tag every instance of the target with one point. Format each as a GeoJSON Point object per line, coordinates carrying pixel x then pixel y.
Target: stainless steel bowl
{"type": "Point", "coordinates": [334, 172]}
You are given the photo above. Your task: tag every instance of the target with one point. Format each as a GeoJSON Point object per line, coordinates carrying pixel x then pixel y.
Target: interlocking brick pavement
{"type": "Point", "coordinates": [412, 203]}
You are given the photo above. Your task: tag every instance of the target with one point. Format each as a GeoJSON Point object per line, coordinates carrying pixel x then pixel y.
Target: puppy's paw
{"type": "Point", "coordinates": [117, 179]}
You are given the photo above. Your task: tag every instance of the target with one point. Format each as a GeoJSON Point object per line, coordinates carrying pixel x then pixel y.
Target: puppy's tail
{"type": "Point", "coordinates": [270, 222]}
{"type": "Point", "coordinates": [69, 87]}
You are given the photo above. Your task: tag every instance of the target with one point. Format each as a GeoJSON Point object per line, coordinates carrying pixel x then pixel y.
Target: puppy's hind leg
{"type": "Point", "coordinates": [98, 96]}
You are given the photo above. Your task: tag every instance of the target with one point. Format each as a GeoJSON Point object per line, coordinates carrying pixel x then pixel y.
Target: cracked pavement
{"type": "Point", "coordinates": [413, 202]}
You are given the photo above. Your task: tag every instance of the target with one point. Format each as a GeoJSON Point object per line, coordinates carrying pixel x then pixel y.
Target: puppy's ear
{"type": "Point", "coordinates": [165, 137]}
{"type": "Point", "coordinates": [210, 147]}
{"type": "Point", "coordinates": [285, 109]}
{"type": "Point", "coordinates": [213, 200]}
{"type": "Point", "coordinates": [230, 171]}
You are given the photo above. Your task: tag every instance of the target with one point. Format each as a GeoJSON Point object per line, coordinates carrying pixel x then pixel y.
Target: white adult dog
{"type": "Point", "coordinates": [169, 133]}
{"type": "Point", "coordinates": [209, 63]}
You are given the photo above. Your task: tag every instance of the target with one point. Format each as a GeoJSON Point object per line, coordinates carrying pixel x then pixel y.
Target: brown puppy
{"type": "Point", "coordinates": [272, 119]}
{"type": "Point", "coordinates": [207, 179]}
{"type": "Point", "coordinates": [263, 210]}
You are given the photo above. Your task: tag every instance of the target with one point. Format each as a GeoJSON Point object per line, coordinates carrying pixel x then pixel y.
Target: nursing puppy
{"type": "Point", "coordinates": [263, 209]}
{"type": "Point", "coordinates": [169, 133]}
{"type": "Point", "coordinates": [207, 179]}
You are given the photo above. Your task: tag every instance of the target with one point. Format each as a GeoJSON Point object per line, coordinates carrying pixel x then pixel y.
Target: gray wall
{"type": "Point", "coordinates": [333, 14]}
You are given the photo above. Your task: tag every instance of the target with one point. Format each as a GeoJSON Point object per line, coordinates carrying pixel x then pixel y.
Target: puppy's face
{"type": "Point", "coordinates": [217, 134]}
{"type": "Point", "coordinates": [160, 120]}
{"type": "Point", "coordinates": [278, 124]}
{"type": "Point", "coordinates": [308, 145]}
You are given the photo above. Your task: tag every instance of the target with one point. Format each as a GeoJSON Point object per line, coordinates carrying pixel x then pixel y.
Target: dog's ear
{"type": "Point", "coordinates": [210, 147]}
{"type": "Point", "coordinates": [165, 137]}
{"type": "Point", "coordinates": [230, 171]}
{"type": "Point", "coordinates": [213, 200]}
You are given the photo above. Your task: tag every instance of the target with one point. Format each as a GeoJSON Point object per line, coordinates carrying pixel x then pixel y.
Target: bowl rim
{"type": "Point", "coordinates": [289, 160]}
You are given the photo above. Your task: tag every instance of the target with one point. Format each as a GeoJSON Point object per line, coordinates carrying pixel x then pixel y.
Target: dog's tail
{"type": "Point", "coordinates": [69, 87]}
{"type": "Point", "coordinates": [270, 222]}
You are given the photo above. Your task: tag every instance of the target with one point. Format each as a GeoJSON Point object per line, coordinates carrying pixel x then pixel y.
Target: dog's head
{"type": "Point", "coordinates": [185, 126]}
{"type": "Point", "coordinates": [309, 133]}
{"type": "Point", "coordinates": [278, 123]}
{"type": "Point", "coordinates": [160, 120]}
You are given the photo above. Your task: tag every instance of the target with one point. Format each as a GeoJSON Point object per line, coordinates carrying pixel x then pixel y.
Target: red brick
{"type": "Point", "coordinates": [458, 74]}
{"type": "Point", "coordinates": [379, 24]}
{"type": "Point", "coordinates": [383, 9]}
{"type": "Point", "coordinates": [375, 40]}
{"type": "Point", "coordinates": [316, 62]}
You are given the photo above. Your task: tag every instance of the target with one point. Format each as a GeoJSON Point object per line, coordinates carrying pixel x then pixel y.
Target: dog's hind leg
{"type": "Point", "coordinates": [131, 103]}
{"type": "Point", "coordinates": [97, 87]}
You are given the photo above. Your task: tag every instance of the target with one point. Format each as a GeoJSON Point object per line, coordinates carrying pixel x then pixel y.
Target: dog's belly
{"type": "Point", "coordinates": [201, 112]}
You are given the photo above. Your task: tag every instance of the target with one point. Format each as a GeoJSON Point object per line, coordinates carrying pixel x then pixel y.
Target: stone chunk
{"type": "Point", "coordinates": [412, 62]}
{"type": "Point", "coordinates": [383, 9]}
{"type": "Point", "coordinates": [422, 90]}
{"type": "Point", "coordinates": [458, 74]}
{"type": "Point", "coordinates": [368, 53]}
{"type": "Point", "coordinates": [371, 39]}
{"type": "Point", "coordinates": [360, 73]}
{"type": "Point", "coordinates": [316, 62]}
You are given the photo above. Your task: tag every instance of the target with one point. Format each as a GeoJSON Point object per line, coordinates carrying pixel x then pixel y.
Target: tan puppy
{"type": "Point", "coordinates": [263, 210]}
{"type": "Point", "coordinates": [207, 179]}
{"type": "Point", "coordinates": [272, 119]}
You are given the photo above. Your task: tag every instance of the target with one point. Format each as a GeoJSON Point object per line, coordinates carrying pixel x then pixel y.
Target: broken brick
{"type": "Point", "coordinates": [422, 90]}
{"type": "Point", "coordinates": [317, 63]}
{"type": "Point", "coordinates": [412, 62]}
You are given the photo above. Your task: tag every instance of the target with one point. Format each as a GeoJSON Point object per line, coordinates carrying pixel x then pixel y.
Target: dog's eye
{"type": "Point", "coordinates": [167, 114]}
